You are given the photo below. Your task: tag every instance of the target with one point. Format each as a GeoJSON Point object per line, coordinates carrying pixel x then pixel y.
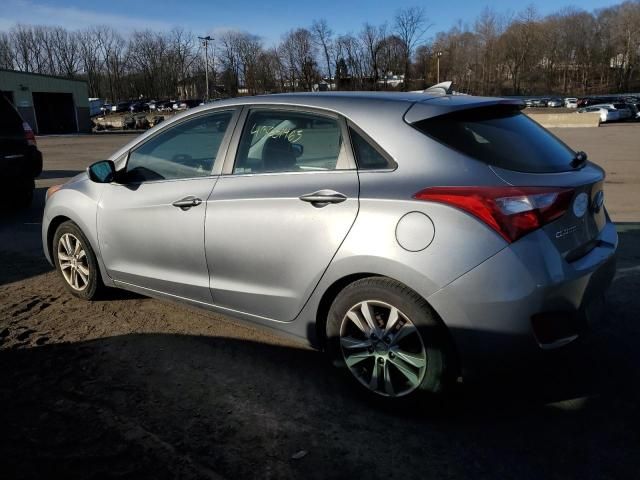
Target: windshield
{"type": "Point", "coordinates": [501, 136]}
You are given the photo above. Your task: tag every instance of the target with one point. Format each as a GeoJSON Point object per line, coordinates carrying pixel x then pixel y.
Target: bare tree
{"type": "Point", "coordinates": [392, 55]}
{"type": "Point", "coordinates": [6, 52]}
{"type": "Point", "coordinates": [373, 40]}
{"type": "Point", "coordinates": [112, 48]}
{"type": "Point", "coordinates": [518, 42]}
{"type": "Point", "coordinates": [570, 52]}
{"type": "Point", "coordinates": [410, 26]}
{"type": "Point", "coordinates": [322, 36]}
{"type": "Point", "coordinates": [297, 52]}
{"type": "Point", "coordinates": [67, 51]}
{"type": "Point", "coordinates": [488, 28]}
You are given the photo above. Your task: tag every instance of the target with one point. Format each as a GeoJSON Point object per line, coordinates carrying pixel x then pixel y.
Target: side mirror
{"type": "Point", "coordinates": [298, 149]}
{"type": "Point", "coordinates": [103, 171]}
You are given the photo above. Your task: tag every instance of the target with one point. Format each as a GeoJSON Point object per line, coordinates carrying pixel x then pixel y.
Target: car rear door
{"type": "Point", "coordinates": [151, 222]}
{"type": "Point", "coordinates": [285, 202]}
{"type": "Point", "coordinates": [14, 150]}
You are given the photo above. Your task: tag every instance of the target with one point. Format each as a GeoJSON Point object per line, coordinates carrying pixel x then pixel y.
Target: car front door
{"type": "Point", "coordinates": [151, 222]}
{"type": "Point", "coordinates": [285, 202]}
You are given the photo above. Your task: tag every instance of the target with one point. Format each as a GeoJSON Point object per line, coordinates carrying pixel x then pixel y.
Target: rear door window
{"type": "Point", "coordinates": [367, 156]}
{"type": "Point", "coordinates": [276, 141]}
{"type": "Point", "coordinates": [500, 136]}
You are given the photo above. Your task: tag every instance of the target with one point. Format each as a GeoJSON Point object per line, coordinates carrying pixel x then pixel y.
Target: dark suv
{"type": "Point", "coordinates": [20, 159]}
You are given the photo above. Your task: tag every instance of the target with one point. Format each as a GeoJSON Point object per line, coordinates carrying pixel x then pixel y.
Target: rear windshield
{"type": "Point", "coordinates": [10, 121]}
{"type": "Point", "coordinates": [501, 136]}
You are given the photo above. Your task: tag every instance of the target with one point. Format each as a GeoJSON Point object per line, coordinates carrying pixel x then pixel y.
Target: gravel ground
{"type": "Point", "coordinates": [131, 387]}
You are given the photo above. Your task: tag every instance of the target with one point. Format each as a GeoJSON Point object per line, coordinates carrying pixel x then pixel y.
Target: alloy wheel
{"type": "Point", "coordinates": [383, 348]}
{"type": "Point", "coordinates": [73, 261]}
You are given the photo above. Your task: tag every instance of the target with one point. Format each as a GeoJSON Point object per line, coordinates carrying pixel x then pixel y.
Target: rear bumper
{"type": "Point", "coordinates": [489, 309]}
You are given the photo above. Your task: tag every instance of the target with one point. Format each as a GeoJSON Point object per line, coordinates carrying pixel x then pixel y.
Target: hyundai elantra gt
{"type": "Point", "coordinates": [408, 235]}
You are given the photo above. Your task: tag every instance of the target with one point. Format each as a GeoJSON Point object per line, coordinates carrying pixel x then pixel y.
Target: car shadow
{"type": "Point", "coordinates": [21, 253]}
{"type": "Point", "coordinates": [150, 405]}
{"type": "Point", "coordinates": [162, 406]}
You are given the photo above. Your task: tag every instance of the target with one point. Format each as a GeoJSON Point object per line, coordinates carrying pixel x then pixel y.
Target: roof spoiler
{"type": "Point", "coordinates": [443, 104]}
{"type": "Point", "coordinates": [442, 88]}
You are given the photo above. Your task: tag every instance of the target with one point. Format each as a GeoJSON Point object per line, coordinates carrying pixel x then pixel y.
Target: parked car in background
{"type": "Point", "coordinates": [540, 102]}
{"type": "Point", "coordinates": [193, 102]}
{"type": "Point", "coordinates": [606, 114]}
{"type": "Point", "coordinates": [95, 106]}
{"type": "Point", "coordinates": [20, 159]}
{"type": "Point", "coordinates": [626, 110]}
{"type": "Point", "coordinates": [408, 268]}
{"type": "Point", "coordinates": [623, 111]}
{"type": "Point", "coordinates": [186, 104]}
{"type": "Point", "coordinates": [106, 108]}
{"type": "Point", "coordinates": [555, 103]}
{"type": "Point", "coordinates": [635, 110]}
{"type": "Point", "coordinates": [121, 107]}
{"type": "Point", "coordinates": [137, 107]}
{"type": "Point", "coordinates": [163, 106]}
{"type": "Point", "coordinates": [571, 102]}
{"type": "Point", "coordinates": [590, 101]}
{"type": "Point", "coordinates": [528, 102]}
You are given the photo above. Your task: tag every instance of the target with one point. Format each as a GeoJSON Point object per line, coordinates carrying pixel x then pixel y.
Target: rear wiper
{"type": "Point", "coordinates": [579, 160]}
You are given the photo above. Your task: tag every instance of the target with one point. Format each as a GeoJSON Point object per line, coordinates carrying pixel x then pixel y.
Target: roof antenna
{"type": "Point", "coordinates": [443, 88]}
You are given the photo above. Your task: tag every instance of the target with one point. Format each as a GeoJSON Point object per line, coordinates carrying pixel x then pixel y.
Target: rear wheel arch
{"type": "Point", "coordinates": [327, 299]}
{"type": "Point", "coordinates": [339, 285]}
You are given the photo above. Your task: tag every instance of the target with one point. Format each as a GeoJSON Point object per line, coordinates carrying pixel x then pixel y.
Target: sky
{"type": "Point", "coordinates": [268, 19]}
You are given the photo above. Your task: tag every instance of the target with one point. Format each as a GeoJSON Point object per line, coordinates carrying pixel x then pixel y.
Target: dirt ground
{"type": "Point", "coordinates": [131, 387]}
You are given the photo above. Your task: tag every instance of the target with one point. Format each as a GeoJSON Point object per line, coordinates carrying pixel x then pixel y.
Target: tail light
{"type": "Point", "coordinates": [28, 134]}
{"type": "Point", "coordinates": [510, 211]}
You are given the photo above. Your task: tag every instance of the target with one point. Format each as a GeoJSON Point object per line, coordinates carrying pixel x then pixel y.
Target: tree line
{"type": "Point", "coordinates": [571, 52]}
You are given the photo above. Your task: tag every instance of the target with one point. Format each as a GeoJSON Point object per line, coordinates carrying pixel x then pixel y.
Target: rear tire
{"type": "Point", "coordinates": [76, 262]}
{"type": "Point", "coordinates": [389, 340]}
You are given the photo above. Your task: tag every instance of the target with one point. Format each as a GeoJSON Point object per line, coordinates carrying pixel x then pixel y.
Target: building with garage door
{"type": "Point", "coordinates": [51, 105]}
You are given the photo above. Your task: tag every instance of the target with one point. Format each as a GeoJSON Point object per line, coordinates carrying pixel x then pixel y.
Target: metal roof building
{"type": "Point", "coordinates": [51, 105]}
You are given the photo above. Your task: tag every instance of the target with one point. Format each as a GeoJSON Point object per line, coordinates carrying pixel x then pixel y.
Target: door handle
{"type": "Point", "coordinates": [322, 198]}
{"type": "Point", "coordinates": [187, 202]}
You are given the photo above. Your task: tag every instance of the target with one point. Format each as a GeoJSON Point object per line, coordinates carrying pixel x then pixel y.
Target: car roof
{"type": "Point", "coordinates": [332, 100]}
{"type": "Point", "coordinates": [373, 112]}
{"type": "Point", "coordinates": [357, 104]}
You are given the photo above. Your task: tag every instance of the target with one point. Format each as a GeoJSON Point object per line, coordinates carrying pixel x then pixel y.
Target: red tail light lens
{"type": "Point", "coordinates": [28, 134]}
{"type": "Point", "coordinates": [510, 211]}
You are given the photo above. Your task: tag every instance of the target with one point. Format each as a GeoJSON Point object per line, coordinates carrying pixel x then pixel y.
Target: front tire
{"type": "Point", "coordinates": [76, 262]}
{"type": "Point", "coordinates": [389, 339]}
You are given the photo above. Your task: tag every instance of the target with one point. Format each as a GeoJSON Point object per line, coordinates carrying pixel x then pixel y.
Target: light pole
{"type": "Point", "coordinates": [438, 55]}
{"type": "Point", "coordinates": [205, 42]}
{"type": "Point", "coordinates": [213, 66]}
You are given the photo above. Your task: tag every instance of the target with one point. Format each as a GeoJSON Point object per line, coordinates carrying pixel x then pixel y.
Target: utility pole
{"type": "Point", "coordinates": [205, 43]}
{"type": "Point", "coordinates": [438, 55]}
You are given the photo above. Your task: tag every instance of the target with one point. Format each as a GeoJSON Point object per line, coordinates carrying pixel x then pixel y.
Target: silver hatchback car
{"type": "Point", "coordinates": [411, 236]}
